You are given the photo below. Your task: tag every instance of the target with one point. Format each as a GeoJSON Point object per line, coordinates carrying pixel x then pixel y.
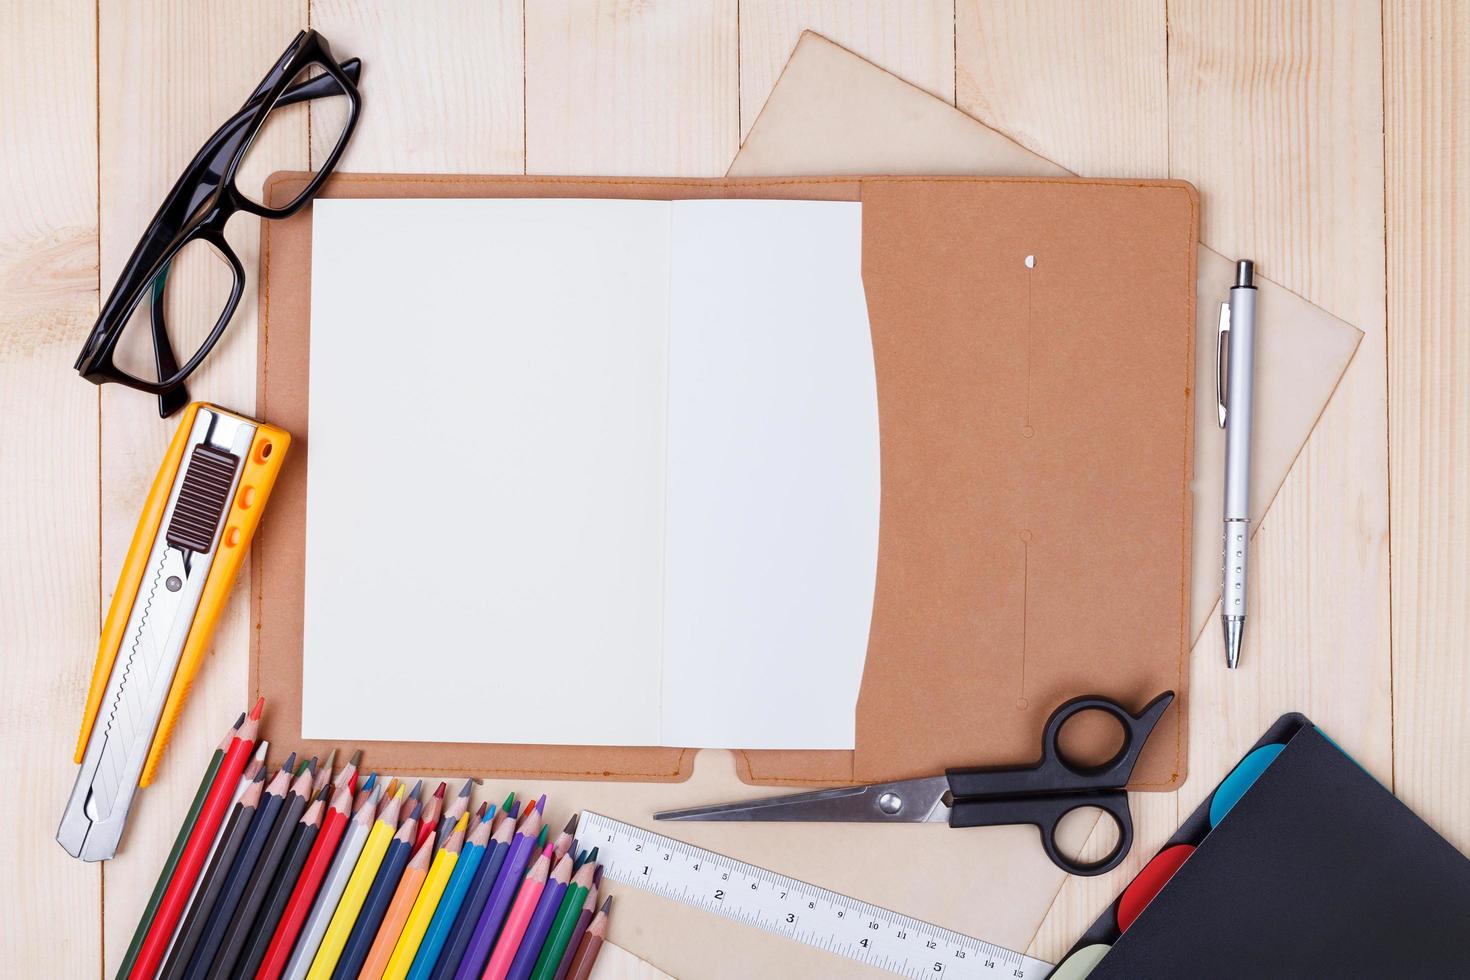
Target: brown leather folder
{"type": "Point", "coordinates": [1034, 349]}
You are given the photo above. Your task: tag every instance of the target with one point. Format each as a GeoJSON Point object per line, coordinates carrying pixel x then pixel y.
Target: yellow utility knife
{"type": "Point", "coordinates": [200, 515]}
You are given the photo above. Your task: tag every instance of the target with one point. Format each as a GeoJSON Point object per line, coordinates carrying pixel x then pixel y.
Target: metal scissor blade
{"type": "Point", "coordinates": [905, 801]}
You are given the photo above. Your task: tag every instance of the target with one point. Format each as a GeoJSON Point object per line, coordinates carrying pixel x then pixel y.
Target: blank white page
{"type": "Point", "coordinates": [773, 476]}
{"type": "Point", "coordinates": [485, 492]}
{"type": "Point", "coordinates": [628, 446]}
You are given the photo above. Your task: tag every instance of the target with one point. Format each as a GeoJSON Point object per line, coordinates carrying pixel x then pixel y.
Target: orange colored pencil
{"type": "Point", "coordinates": [398, 909]}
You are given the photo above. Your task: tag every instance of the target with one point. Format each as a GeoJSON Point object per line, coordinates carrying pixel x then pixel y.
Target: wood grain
{"type": "Point", "coordinates": [441, 86]}
{"type": "Point", "coordinates": [911, 38]}
{"type": "Point", "coordinates": [1427, 134]}
{"type": "Point", "coordinates": [1082, 84]}
{"type": "Point", "coordinates": [641, 87]}
{"type": "Point", "coordinates": [1275, 114]}
{"type": "Point", "coordinates": [170, 73]}
{"type": "Point", "coordinates": [48, 484]}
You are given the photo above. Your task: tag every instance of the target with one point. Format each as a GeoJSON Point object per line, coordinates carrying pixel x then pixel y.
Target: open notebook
{"type": "Point", "coordinates": [630, 446]}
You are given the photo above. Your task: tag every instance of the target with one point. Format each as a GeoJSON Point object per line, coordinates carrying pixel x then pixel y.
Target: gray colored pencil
{"type": "Point", "coordinates": [332, 887]}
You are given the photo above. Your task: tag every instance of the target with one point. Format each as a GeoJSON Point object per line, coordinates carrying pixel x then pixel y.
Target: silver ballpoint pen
{"type": "Point", "coordinates": [1235, 343]}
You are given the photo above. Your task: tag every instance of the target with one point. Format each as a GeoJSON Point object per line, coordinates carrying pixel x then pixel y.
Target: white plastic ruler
{"type": "Point", "coordinates": [794, 909]}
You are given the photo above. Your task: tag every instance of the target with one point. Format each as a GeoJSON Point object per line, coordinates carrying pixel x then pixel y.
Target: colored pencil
{"type": "Point", "coordinates": [364, 792]}
{"type": "Point", "coordinates": [518, 920]}
{"type": "Point", "coordinates": [303, 894]}
{"type": "Point", "coordinates": [479, 894]}
{"type": "Point", "coordinates": [323, 774]}
{"type": "Point", "coordinates": [453, 811]}
{"type": "Point", "coordinates": [549, 956]}
{"type": "Point", "coordinates": [223, 913]}
{"type": "Point", "coordinates": [181, 839]}
{"type": "Point", "coordinates": [477, 818]}
{"type": "Point", "coordinates": [339, 927]}
{"type": "Point", "coordinates": [262, 876]}
{"type": "Point", "coordinates": [353, 841]}
{"type": "Point", "coordinates": [432, 809]}
{"type": "Point", "coordinates": [470, 858]}
{"type": "Point", "coordinates": [211, 816]}
{"type": "Point", "coordinates": [375, 906]}
{"type": "Point", "coordinates": [591, 944]}
{"type": "Point", "coordinates": [548, 907]}
{"type": "Point", "coordinates": [302, 842]}
{"type": "Point", "coordinates": [255, 767]}
{"type": "Point", "coordinates": [398, 911]}
{"type": "Point", "coordinates": [417, 924]}
{"type": "Point", "coordinates": [509, 809]}
{"type": "Point", "coordinates": [565, 839]}
{"type": "Point", "coordinates": [584, 919]}
{"type": "Point", "coordinates": [482, 939]}
{"type": "Point", "coordinates": [213, 880]}
{"type": "Point", "coordinates": [347, 775]}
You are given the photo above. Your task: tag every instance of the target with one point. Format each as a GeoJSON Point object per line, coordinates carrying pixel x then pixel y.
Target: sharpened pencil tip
{"type": "Point", "coordinates": [290, 764]}
{"type": "Point", "coordinates": [259, 775]}
{"type": "Point", "coordinates": [515, 810]}
{"type": "Point", "coordinates": [464, 790]}
{"type": "Point", "coordinates": [255, 711]}
{"type": "Point", "coordinates": [356, 759]}
{"type": "Point", "coordinates": [484, 808]}
{"type": "Point", "coordinates": [571, 827]}
{"type": "Point", "coordinates": [418, 788]}
{"type": "Point", "coordinates": [593, 856]}
{"type": "Point", "coordinates": [239, 721]}
{"type": "Point", "coordinates": [509, 799]}
{"type": "Point", "coordinates": [439, 793]}
{"type": "Point", "coordinates": [607, 904]}
{"type": "Point", "coordinates": [541, 804]}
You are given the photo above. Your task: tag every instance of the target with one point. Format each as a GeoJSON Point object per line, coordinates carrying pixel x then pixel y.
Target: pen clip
{"type": "Point", "coordinates": [1221, 330]}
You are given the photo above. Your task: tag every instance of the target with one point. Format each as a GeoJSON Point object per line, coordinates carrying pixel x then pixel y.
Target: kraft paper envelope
{"type": "Point", "coordinates": [1035, 445]}
{"type": "Point", "coordinates": [832, 112]}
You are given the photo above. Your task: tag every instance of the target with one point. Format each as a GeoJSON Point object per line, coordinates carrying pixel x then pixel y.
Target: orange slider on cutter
{"type": "Point", "coordinates": [200, 515]}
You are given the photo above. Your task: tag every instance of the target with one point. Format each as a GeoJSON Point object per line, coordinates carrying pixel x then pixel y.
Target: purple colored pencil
{"type": "Point", "coordinates": [547, 908]}
{"type": "Point", "coordinates": [482, 941]}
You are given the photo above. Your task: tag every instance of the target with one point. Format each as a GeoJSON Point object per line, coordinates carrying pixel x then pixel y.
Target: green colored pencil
{"type": "Point", "coordinates": [185, 830]}
{"type": "Point", "coordinates": [565, 921]}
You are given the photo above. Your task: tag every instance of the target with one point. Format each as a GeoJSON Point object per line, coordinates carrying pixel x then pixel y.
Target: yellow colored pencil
{"type": "Point", "coordinates": [424, 905]}
{"type": "Point", "coordinates": [340, 926]}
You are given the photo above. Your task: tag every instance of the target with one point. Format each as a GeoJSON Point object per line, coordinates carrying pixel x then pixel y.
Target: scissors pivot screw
{"type": "Point", "coordinates": [890, 803]}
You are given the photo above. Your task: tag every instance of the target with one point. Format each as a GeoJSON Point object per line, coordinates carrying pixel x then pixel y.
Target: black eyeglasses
{"type": "Point", "coordinates": [190, 225]}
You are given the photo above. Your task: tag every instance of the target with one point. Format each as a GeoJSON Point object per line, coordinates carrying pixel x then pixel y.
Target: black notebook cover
{"type": "Point", "coordinates": [1317, 871]}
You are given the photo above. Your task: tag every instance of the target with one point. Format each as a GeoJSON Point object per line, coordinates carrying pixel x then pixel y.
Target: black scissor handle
{"type": "Point", "coordinates": [1044, 792]}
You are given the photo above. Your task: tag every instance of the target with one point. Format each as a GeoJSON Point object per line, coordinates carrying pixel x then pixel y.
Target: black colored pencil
{"type": "Point", "coordinates": [263, 875]}
{"type": "Point", "coordinates": [275, 905]}
{"type": "Point", "coordinates": [245, 861]}
{"type": "Point", "coordinates": [197, 917]}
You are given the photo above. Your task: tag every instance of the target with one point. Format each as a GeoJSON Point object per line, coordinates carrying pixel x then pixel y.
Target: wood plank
{"type": "Point", "coordinates": [441, 86]}
{"type": "Point", "coordinates": [1276, 116]}
{"type": "Point", "coordinates": [648, 88]}
{"type": "Point", "coordinates": [914, 39]}
{"type": "Point", "coordinates": [170, 74]}
{"type": "Point", "coordinates": [48, 489]}
{"type": "Point", "coordinates": [1427, 135]}
{"type": "Point", "coordinates": [1082, 84]}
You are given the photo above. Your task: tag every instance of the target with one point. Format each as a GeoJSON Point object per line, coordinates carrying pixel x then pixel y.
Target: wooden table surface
{"type": "Point", "coordinates": [1330, 141]}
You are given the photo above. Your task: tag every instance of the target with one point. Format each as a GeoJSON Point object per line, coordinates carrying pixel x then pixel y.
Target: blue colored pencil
{"type": "Point", "coordinates": [445, 913]}
{"type": "Point", "coordinates": [379, 896]}
{"type": "Point", "coordinates": [482, 940]}
{"type": "Point", "coordinates": [479, 893]}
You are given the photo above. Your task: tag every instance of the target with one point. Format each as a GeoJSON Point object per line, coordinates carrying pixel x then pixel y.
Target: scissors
{"type": "Point", "coordinates": [1040, 794]}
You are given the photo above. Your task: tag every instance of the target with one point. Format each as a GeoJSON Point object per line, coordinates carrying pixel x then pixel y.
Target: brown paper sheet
{"type": "Point", "coordinates": [832, 112]}
{"type": "Point", "coordinates": [1035, 427]}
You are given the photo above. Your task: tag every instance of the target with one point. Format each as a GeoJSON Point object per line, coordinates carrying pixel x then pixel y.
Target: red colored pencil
{"type": "Point", "coordinates": [430, 819]}
{"type": "Point", "coordinates": [278, 954]}
{"type": "Point", "coordinates": [192, 860]}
